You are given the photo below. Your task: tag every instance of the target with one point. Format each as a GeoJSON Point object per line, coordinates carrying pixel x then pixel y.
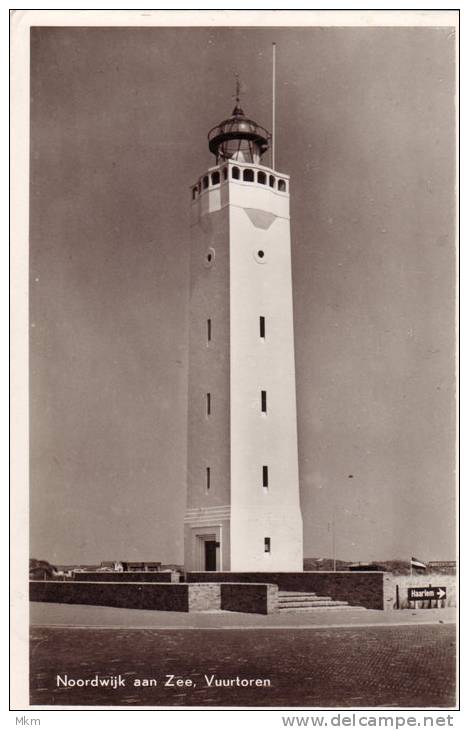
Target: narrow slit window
{"type": "Point", "coordinates": [209, 330]}
{"type": "Point", "coordinates": [264, 401]}
{"type": "Point", "coordinates": [209, 404]}
{"type": "Point", "coordinates": [267, 544]}
{"type": "Point", "coordinates": [265, 477]}
{"type": "Point", "coordinates": [262, 327]}
{"type": "Point", "coordinates": [207, 478]}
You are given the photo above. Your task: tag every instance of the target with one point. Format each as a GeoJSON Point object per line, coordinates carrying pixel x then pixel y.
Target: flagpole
{"type": "Point", "coordinates": [273, 104]}
{"type": "Point", "coordinates": [334, 560]}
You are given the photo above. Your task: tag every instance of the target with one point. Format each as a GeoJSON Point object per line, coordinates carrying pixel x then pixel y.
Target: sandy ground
{"type": "Point", "coordinates": [57, 614]}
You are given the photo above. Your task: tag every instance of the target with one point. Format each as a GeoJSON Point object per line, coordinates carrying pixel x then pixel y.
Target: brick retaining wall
{"type": "Point", "coordinates": [249, 597]}
{"type": "Point", "coordinates": [153, 596]}
{"type": "Point", "coordinates": [158, 596]}
{"type": "Point", "coordinates": [128, 577]}
{"type": "Point", "coordinates": [204, 596]}
{"type": "Point", "coordinates": [358, 589]}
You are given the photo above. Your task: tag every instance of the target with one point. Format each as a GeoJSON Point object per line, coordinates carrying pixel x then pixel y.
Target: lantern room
{"type": "Point", "coordinates": [238, 138]}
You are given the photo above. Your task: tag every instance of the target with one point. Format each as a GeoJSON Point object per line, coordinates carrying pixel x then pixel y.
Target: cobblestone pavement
{"type": "Point", "coordinates": [387, 666]}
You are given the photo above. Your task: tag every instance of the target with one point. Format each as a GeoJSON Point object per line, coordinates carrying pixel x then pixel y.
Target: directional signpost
{"type": "Point", "coordinates": [426, 593]}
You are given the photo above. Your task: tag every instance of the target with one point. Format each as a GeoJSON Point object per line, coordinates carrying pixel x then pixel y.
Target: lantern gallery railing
{"type": "Point", "coordinates": [242, 174]}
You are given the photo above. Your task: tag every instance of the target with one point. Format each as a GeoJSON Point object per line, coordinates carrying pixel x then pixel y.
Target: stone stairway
{"type": "Point", "coordinates": [296, 601]}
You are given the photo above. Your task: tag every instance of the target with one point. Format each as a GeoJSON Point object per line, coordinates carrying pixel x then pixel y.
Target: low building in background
{"type": "Point", "coordinates": [145, 567]}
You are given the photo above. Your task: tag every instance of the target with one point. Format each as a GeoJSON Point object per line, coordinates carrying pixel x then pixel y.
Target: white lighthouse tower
{"type": "Point", "coordinates": [243, 508]}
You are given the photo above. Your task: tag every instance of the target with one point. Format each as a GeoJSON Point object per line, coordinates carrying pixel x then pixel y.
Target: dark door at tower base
{"type": "Point", "coordinates": [210, 555]}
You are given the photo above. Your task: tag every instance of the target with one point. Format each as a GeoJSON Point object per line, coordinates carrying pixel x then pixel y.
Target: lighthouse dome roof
{"type": "Point", "coordinates": [238, 127]}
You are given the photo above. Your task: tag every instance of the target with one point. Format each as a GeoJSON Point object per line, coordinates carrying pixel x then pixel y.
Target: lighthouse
{"type": "Point", "coordinates": [243, 507]}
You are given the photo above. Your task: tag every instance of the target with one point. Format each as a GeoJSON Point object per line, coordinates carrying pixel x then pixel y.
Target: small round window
{"type": "Point", "coordinates": [259, 255]}
{"type": "Point", "coordinates": [209, 257]}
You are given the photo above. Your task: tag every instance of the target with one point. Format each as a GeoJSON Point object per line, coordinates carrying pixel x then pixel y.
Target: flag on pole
{"type": "Point", "coordinates": [415, 563]}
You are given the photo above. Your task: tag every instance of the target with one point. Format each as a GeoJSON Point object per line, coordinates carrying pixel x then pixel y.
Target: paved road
{"type": "Point", "coordinates": [357, 666]}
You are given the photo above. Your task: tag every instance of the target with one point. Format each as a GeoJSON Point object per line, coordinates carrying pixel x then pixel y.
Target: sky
{"type": "Point", "coordinates": [365, 129]}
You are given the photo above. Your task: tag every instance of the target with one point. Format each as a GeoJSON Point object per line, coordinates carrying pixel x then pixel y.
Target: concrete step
{"type": "Point", "coordinates": [298, 609]}
{"type": "Point", "coordinates": [304, 597]}
{"type": "Point", "coordinates": [297, 593]}
{"type": "Point", "coordinates": [313, 601]}
{"type": "Point", "coordinates": [312, 604]}
{"type": "Point", "coordinates": [291, 601]}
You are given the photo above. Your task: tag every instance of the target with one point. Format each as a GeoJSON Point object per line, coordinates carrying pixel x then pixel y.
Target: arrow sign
{"type": "Point", "coordinates": [426, 593]}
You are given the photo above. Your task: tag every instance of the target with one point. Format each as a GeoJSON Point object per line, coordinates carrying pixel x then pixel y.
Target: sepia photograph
{"type": "Point", "coordinates": [241, 277]}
